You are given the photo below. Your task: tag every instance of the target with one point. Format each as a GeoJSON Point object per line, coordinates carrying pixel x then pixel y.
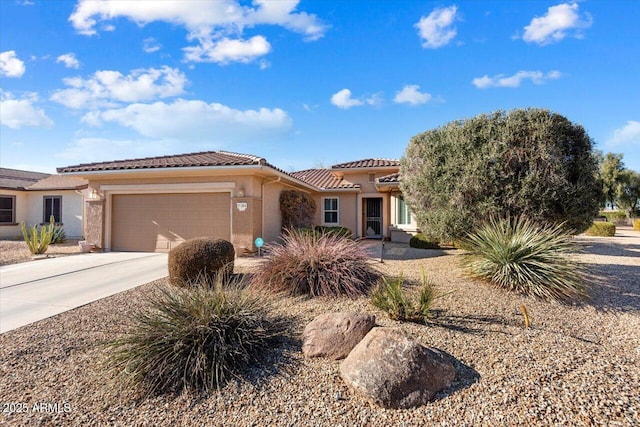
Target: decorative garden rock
{"type": "Point", "coordinates": [389, 368]}
{"type": "Point", "coordinates": [334, 335]}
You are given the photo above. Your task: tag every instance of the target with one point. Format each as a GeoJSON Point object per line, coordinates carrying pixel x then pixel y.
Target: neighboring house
{"type": "Point", "coordinates": [33, 197]}
{"type": "Point", "coordinates": [154, 204]}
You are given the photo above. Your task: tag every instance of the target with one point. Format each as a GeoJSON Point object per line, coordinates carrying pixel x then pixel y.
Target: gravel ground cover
{"type": "Point", "coordinates": [577, 364]}
{"type": "Point", "coordinates": [16, 251]}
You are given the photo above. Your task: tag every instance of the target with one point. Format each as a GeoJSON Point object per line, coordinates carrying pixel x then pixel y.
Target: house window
{"type": "Point", "coordinates": [52, 206]}
{"type": "Point", "coordinates": [7, 209]}
{"type": "Point", "coordinates": [372, 177]}
{"type": "Point", "coordinates": [403, 213]}
{"type": "Point", "coordinates": [330, 211]}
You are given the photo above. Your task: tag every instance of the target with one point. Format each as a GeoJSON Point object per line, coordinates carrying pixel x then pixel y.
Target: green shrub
{"type": "Point", "coordinates": [313, 264]}
{"type": "Point", "coordinates": [338, 231]}
{"type": "Point", "coordinates": [297, 209]}
{"type": "Point", "coordinates": [389, 297]}
{"type": "Point", "coordinates": [200, 261]}
{"type": "Point", "coordinates": [603, 229]}
{"type": "Point", "coordinates": [193, 339]}
{"type": "Point", "coordinates": [420, 241]}
{"type": "Point", "coordinates": [37, 238]}
{"type": "Point", "coordinates": [519, 255]}
{"type": "Point", "coordinates": [636, 224]}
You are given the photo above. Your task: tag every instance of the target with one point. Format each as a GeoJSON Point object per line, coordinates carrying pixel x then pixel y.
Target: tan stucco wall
{"type": "Point", "coordinates": [347, 209]}
{"type": "Point", "coordinates": [72, 210]}
{"type": "Point", "coordinates": [13, 231]}
{"type": "Point", "coordinates": [246, 225]}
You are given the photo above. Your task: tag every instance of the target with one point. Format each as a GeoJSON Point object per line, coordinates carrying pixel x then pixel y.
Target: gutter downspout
{"type": "Point", "coordinates": [262, 202]}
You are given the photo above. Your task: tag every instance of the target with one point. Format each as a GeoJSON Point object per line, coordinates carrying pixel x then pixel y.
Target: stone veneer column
{"type": "Point", "coordinates": [95, 222]}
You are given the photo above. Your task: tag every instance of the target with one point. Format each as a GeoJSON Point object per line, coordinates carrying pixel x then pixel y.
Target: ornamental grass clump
{"type": "Point", "coordinates": [315, 264]}
{"type": "Point", "coordinates": [389, 297]}
{"type": "Point", "coordinates": [194, 338]}
{"type": "Point", "coordinates": [519, 255]}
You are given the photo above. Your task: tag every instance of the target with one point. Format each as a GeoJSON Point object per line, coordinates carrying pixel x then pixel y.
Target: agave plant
{"type": "Point", "coordinates": [520, 255]}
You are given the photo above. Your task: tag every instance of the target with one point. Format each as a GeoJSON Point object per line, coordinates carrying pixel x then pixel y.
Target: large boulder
{"type": "Point", "coordinates": [199, 261]}
{"type": "Point", "coordinates": [334, 335]}
{"type": "Point", "coordinates": [389, 368]}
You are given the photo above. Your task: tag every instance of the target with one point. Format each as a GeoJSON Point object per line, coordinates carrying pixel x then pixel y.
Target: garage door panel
{"type": "Point", "coordinates": [159, 222]}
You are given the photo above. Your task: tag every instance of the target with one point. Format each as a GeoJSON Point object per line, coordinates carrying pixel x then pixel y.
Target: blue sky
{"type": "Point", "coordinates": [302, 83]}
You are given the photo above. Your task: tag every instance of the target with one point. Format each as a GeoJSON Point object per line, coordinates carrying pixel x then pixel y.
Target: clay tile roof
{"type": "Point", "coordinates": [59, 182]}
{"type": "Point", "coordinates": [368, 163]}
{"type": "Point", "coordinates": [18, 179]}
{"type": "Point", "coordinates": [323, 179]}
{"type": "Point", "coordinates": [205, 158]}
{"type": "Point", "coordinates": [390, 179]}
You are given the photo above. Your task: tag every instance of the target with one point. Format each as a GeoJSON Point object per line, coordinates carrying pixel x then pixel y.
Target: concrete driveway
{"type": "Point", "coordinates": [35, 290]}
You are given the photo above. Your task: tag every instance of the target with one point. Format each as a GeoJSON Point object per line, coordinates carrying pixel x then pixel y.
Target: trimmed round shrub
{"type": "Point", "coordinates": [636, 224]}
{"type": "Point", "coordinates": [602, 229]}
{"type": "Point", "coordinates": [315, 264]}
{"type": "Point", "coordinates": [519, 255]}
{"type": "Point", "coordinates": [420, 241]}
{"type": "Point", "coordinates": [523, 162]}
{"type": "Point", "coordinates": [193, 339]}
{"type": "Point", "coordinates": [200, 261]}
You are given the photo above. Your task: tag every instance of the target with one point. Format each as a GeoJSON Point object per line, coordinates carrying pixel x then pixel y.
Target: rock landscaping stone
{"type": "Point", "coordinates": [333, 335]}
{"type": "Point", "coordinates": [389, 368]}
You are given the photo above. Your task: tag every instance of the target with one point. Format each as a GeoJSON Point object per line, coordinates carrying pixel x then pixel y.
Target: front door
{"type": "Point", "coordinates": [372, 218]}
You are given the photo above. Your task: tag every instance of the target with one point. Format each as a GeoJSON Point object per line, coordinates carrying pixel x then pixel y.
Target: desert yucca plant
{"type": "Point", "coordinates": [315, 264]}
{"type": "Point", "coordinates": [194, 338]}
{"type": "Point", "coordinates": [38, 238]}
{"type": "Point", "coordinates": [389, 297]}
{"type": "Point", "coordinates": [519, 255]}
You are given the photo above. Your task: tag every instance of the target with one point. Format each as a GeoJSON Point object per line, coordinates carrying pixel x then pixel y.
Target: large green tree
{"type": "Point", "coordinates": [628, 192]}
{"type": "Point", "coordinates": [612, 176]}
{"type": "Point", "coordinates": [529, 162]}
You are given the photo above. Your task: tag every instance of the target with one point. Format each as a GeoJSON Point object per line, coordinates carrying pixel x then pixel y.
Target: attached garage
{"type": "Point", "coordinates": [160, 222]}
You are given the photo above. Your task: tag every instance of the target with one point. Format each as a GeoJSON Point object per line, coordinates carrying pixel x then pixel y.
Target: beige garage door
{"type": "Point", "coordinates": [160, 222]}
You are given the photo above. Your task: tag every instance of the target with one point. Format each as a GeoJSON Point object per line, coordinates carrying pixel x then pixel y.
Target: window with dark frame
{"type": "Point", "coordinates": [7, 209]}
{"type": "Point", "coordinates": [330, 210]}
{"type": "Point", "coordinates": [52, 206]}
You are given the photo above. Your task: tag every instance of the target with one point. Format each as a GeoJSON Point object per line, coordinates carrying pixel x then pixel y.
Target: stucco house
{"type": "Point", "coordinates": [33, 197]}
{"type": "Point", "coordinates": [155, 203]}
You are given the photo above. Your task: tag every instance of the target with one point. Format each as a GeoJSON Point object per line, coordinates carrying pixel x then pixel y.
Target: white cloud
{"type": "Point", "coordinates": [342, 99]}
{"type": "Point", "coordinates": [19, 113]}
{"type": "Point", "coordinates": [150, 45]}
{"type": "Point", "coordinates": [437, 30]}
{"type": "Point", "coordinates": [226, 50]}
{"type": "Point", "coordinates": [559, 21]}
{"type": "Point", "coordinates": [627, 134]}
{"type": "Point", "coordinates": [217, 26]}
{"type": "Point", "coordinates": [106, 88]}
{"type": "Point", "coordinates": [500, 80]}
{"type": "Point", "coordinates": [69, 60]}
{"type": "Point", "coordinates": [196, 120]}
{"type": "Point", "coordinates": [10, 65]}
{"type": "Point", "coordinates": [410, 94]}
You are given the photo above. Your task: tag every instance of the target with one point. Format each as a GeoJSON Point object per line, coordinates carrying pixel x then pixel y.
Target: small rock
{"type": "Point", "coordinates": [334, 335]}
{"type": "Point", "coordinates": [389, 368]}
